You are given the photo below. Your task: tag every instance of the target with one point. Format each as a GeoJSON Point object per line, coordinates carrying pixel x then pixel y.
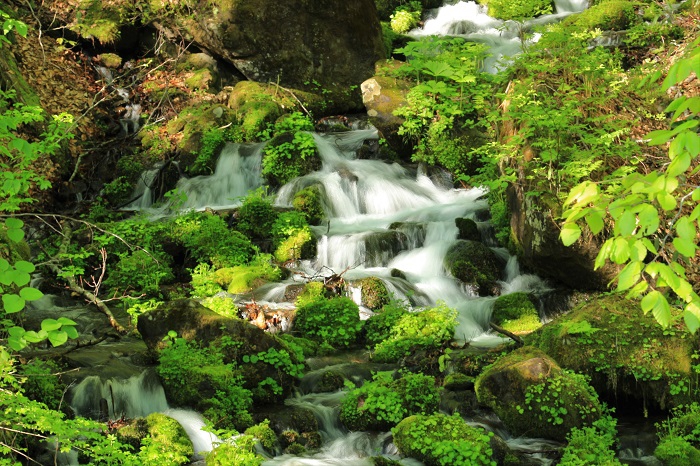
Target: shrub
{"type": "Point", "coordinates": [592, 446]}
{"type": "Point", "coordinates": [256, 216]}
{"type": "Point", "coordinates": [680, 437]}
{"type": "Point", "coordinates": [244, 278]}
{"type": "Point", "coordinates": [429, 329]}
{"type": "Point", "coordinates": [208, 238]}
{"type": "Point", "coordinates": [383, 402]}
{"type": "Point", "coordinates": [374, 293]}
{"type": "Point", "coordinates": [334, 321]}
{"type": "Point", "coordinates": [167, 442]}
{"type": "Point", "coordinates": [379, 327]}
{"type": "Point", "coordinates": [404, 20]}
{"type": "Point", "coordinates": [519, 9]}
{"type": "Point", "coordinates": [41, 382]}
{"type": "Point", "coordinates": [312, 292]}
{"type": "Point", "coordinates": [140, 272]}
{"type": "Point", "coordinates": [263, 434]}
{"type": "Point", "coordinates": [292, 151]}
{"type": "Point", "coordinates": [292, 237]}
{"type": "Point", "coordinates": [612, 15]}
{"type": "Point", "coordinates": [441, 440]}
{"type": "Point", "coordinates": [239, 449]}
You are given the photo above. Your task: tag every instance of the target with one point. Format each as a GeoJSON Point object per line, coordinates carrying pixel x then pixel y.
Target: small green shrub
{"type": "Point", "coordinates": [223, 306]}
{"type": "Point", "coordinates": [383, 402]}
{"type": "Point", "coordinates": [592, 446]}
{"type": "Point", "coordinates": [42, 382]}
{"type": "Point", "coordinates": [244, 278]}
{"type": "Point", "coordinates": [208, 238]}
{"type": "Point", "coordinates": [679, 437]}
{"type": "Point", "coordinates": [292, 237]}
{"type": "Point", "coordinates": [429, 329]}
{"type": "Point", "coordinates": [289, 156]}
{"type": "Point", "coordinates": [312, 292]}
{"type": "Point", "coordinates": [334, 321]}
{"type": "Point", "coordinates": [374, 293]}
{"type": "Point", "coordinates": [140, 272]}
{"type": "Point", "coordinates": [239, 449]}
{"type": "Point", "coordinates": [256, 216]}
{"type": "Point", "coordinates": [612, 15]}
{"type": "Point", "coordinates": [379, 327]}
{"type": "Point", "coordinates": [519, 9]}
{"type": "Point", "coordinates": [403, 20]}
{"type": "Point", "coordinates": [441, 440]}
{"type": "Point", "coordinates": [204, 281]}
{"type": "Point", "coordinates": [263, 434]}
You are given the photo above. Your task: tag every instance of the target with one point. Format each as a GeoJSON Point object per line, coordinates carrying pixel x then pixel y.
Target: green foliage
{"type": "Point", "coordinates": [279, 359]}
{"type": "Point", "coordinates": [547, 402]}
{"type": "Point", "coordinates": [213, 141]}
{"type": "Point", "coordinates": [679, 437]}
{"type": "Point", "coordinates": [138, 307]}
{"type": "Point", "coordinates": [204, 281]}
{"type": "Point", "coordinates": [263, 434]}
{"type": "Point", "coordinates": [292, 237]}
{"type": "Point", "coordinates": [380, 326]}
{"type": "Point", "coordinates": [256, 216]}
{"type": "Point", "coordinates": [374, 293]}
{"type": "Point", "coordinates": [238, 449]}
{"type": "Point", "coordinates": [383, 402]}
{"type": "Point", "coordinates": [308, 202]}
{"type": "Point", "coordinates": [653, 216]}
{"type": "Point", "coordinates": [406, 17]}
{"type": "Point", "coordinates": [611, 15]}
{"type": "Point", "coordinates": [197, 377]}
{"type": "Point", "coordinates": [223, 306]}
{"type": "Point", "coordinates": [208, 238]}
{"type": "Point", "coordinates": [518, 9]}
{"type": "Point", "coordinates": [437, 108]}
{"type": "Point", "coordinates": [292, 151]}
{"type": "Point", "coordinates": [652, 34]}
{"type": "Point", "coordinates": [244, 278]}
{"type": "Point", "coordinates": [41, 381]}
{"type": "Point", "coordinates": [592, 446]}
{"type": "Point", "coordinates": [167, 442]}
{"type": "Point", "coordinates": [312, 292]}
{"type": "Point", "coordinates": [430, 329]}
{"type": "Point", "coordinates": [441, 440]}
{"type": "Point", "coordinates": [334, 321]}
{"type": "Point", "coordinates": [21, 160]}
{"type": "Point", "coordinates": [140, 273]}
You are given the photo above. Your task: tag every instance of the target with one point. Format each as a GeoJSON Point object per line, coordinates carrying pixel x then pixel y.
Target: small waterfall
{"type": "Point", "coordinates": [143, 192]}
{"type": "Point", "coordinates": [193, 423]}
{"type": "Point", "coordinates": [325, 407]}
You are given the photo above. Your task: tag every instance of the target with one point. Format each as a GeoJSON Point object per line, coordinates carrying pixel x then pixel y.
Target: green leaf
{"type": "Point", "coordinates": [570, 232]}
{"type": "Point", "coordinates": [685, 246]}
{"type": "Point", "coordinates": [629, 276]}
{"type": "Point", "coordinates": [24, 266]}
{"type": "Point", "coordinates": [33, 337]}
{"type": "Point", "coordinates": [620, 251]}
{"type": "Point", "coordinates": [666, 201]}
{"type": "Point", "coordinates": [659, 137]}
{"type": "Point", "coordinates": [627, 223]}
{"type": "Point", "coordinates": [19, 278]}
{"type": "Point", "coordinates": [50, 325]}
{"type": "Point", "coordinates": [679, 164]}
{"type": "Point", "coordinates": [15, 235]}
{"type": "Point", "coordinates": [17, 344]}
{"type": "Point", "coordinates": [595, 221]}
{"type": "Point", "coordinates": [685, 228]}
{"type": "Point", "coordinates": [70, 331]}
{"type": "Point", "coordinates": [67, 321]}
{"type": "Point", "coordinates": [691, 321]}
{"type": "Point", "coordinates": [657, 304]}
{"type": "Point", "coordinates": [58, 337]}
{"type": "Point", "coordinates": [650, 246]}
{"type": "Point", "coordinates": [648, 219]}
{"type": "Point", "coordinates": [30, 294]}
{"type": "Point", "coordinates": [13, 223]}
{"type": "Point", "coordinates": [12, 303]}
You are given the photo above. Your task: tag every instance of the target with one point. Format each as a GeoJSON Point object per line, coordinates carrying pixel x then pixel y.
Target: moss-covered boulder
{"type": "Point", "coordinates": [517, 313]}
{"type": "Point", "coordinates": [374, 293]}
{"type": "Point", "coordinates": [439, 439]}
{"type": "Point", "coordinates": [383, 402]}
{"type": "Point", "coordinates": [256, 106]}
{"type": "Point", "coordinates": [475, 264]}
{"type": "Point", "coordinates": [168, 441]}
{"type": "Point", "coordinates": [679, 439]}
{"type": "Point", "coordinates": [629, 357]}
{"type": "Point", "coordinates": [309, 202]}
{"type": "Point", "coordinates": [245, 278]}
{"type": "Point", "coordinates": [468, 229]}
{"type": "Point", "coordinates": [611, 15]}
{"type": "Point", "coordinates": [518, 9]}
{"type": "Point", "coordinates": [533, 396]}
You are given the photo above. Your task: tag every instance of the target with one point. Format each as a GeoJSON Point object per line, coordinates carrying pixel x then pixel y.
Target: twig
{"type": "Point", "coordinates": [519, 341]}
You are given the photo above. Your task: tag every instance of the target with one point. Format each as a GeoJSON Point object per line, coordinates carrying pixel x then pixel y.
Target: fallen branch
{"type": "Point", "coordinates": [518, 341]}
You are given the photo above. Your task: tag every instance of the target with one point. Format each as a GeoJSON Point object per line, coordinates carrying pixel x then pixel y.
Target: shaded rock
{"type": "Point", "coordinates": [475, 264]}
{"type": "Point", "coordinates": [631, 359]}
{"type": "Point", "coordinates": [468, 229]}
{"type": "Point", "coordinates": [374, 293]}
{"type": "Point", "coordinates": [533, 396]}
{"type": "Point", "coordinates": [516, 312]}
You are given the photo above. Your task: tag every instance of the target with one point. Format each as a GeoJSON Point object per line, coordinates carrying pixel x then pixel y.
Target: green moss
{"type": "Point", "coordinates": [263, 434]}
{"type": "Point", "coordinates": [308, 201]}
{"type": "Point", "coordinates": [313, 291]}
{"type": "Point", "coordinates": [518, 9]}
{"type": "Point", "coordinates": [531, 393]}
{"type": "Point", "coordinates": [110, 60]}
{"type": "Point", "coordinates": [458, 381]}
{"type": "Point", "coordinates": [95, 21]}
{"type": "Point", "coordinates": [468, 229]}
{"type": "Point", "coordinates": [290, 155]}
{"type": "Point", "coordinates": [623, 351]}
{"type": "Point", "coordinates": [677, 451]}
{"type": "Point", "coordinates": [441, 440]}
{"type": "Point", "coordinates": [244, 278]}
{"type": "Point", "coordinates": [612, 15]}
{"type": "Point", "coordinates": [168, 444]}
{"type": "Point", "coordinates": [374, 293]}
{"type": "Point", "coordinates": [200, 80]}
{"type": "Point", "coordinates": [383, 402]}
{"type": "Point", "coordinates": [473, 263]}
{"type": "Point", "coordinates": [380, 326]}
{"type": "Point", "coordinates": [516, 313]}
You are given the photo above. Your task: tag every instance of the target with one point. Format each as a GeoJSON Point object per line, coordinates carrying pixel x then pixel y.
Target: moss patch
{"type": "Point", "coordinates": [626, 354]}
{"type": "Point", "coordinates": [516, 313]}
{"type": "Point", "coordinates": [613, 15]}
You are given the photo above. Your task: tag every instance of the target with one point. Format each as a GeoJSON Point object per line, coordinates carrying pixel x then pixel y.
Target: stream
{"type": "Point", "coordinates": [387, 221]}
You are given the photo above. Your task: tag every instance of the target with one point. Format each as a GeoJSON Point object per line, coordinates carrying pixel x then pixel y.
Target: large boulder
{"type": "Point", "coordinates": [475, 264]}
{"type": "Point", "coordinates": [631, 359]}
{"type": "Point", "coordinates": [533, 396]}
{"type": "Point", "coordinates": [297, 43]}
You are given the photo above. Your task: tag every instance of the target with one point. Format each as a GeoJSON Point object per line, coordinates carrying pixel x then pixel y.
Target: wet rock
{"type": "Point", "coordinates": [474, 264]}
{"type": "Point", "coordinates": [517, 313]}
{"type": "Point", "coordinates": [533, 396]}
{"type": "Point", "coordinates": [468, 229]}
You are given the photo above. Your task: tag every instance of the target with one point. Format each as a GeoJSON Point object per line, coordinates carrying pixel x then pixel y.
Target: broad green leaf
{"type": "Point", "coordinates": [604, 253]}
{"type": "Point", "coordinates": [30, 294]}
{"type": "Point", "coordinates": [685, 228]}
{"type": "Point", "coordinates": [33, 337]}
{"type": "Point", "coordinates": [58, 337]}
{"type": "Point", "coordinates": [659, 137]}
{"type": "Point", "coordinates": [629, 276]}
{"type": "Point", "coordinates": [620, 251]}
{"type": "Point", "coordinates": [15, 235]}
{"type": "Point", "coordinates": [692, 144]}
{"type": "Point", "coordinates": [67, 321]}
{"type": "Point", "coordinates": [595, 221]}
{"type": "Point", "coordinates": [650, 246]}
{"type": "Point", "coordinates": [70, 331]}
{"type": "Point", "coordinates": [695, 214]}
{"type": "Point", "coordinates": [668, 276]}
{"type": "Point", "coordinates": [24, 266]}
{"type": "Point", "coordinates": [15, 331]}
{"type": "Point", "coordinates": [657, 304]}
{"type": "Point", "coordinates": [691, 321]}
{"type": "Point", "coordinates": [4, 265]}
{"type": "Point", "coordinates": [570, 232]}
{"type": "Point", "coordinates": [685, 246]}
{"type": "Point", "coordinates": [666, 201]}
{"type": "Point", "coordinates": [637, 290]}
{"type": "Point", "coordinates": [50, 325]}
{"type": "Point", "coordinates": [583, 193]}
{"type": "Point", "coordinates": [637, 251]}
{"type": "Point", "coordinates": [12, 303]}
{"type": "Point", "coordinates": [679, 164]}
{"type": "Point", "coordinates": [17, 344]}
{"type": "Point", "coordinates": [627, 223]}
{"type": "Point", "coordinates": [13, 223]}
{"type": "Point", "coordinates": [696, 194]}
{"type": "Point", "coordinates": [19, 278]}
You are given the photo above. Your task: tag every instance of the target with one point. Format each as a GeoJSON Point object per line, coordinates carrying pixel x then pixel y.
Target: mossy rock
{"type": "Point", "coordinates": [374, 293]}
{"type": "Point", "coordinates": [676, 451]}
{"type": "Point", "coordinates": [475, 264]}
{"type": "Point", "coordinates": [432, 438]}
{"type": "Point", "coordinates": [383, 402]}
{"type": "Point", "coordinates": [517, 313]}
{"type": "Point", "coordinates": [257, 105]}
{"type": "Point", "coordinates": [630, 358]}
{"type": "Point", "coordinates": [296, 161]}
{"type": "Point", "coordinates": [264, 434]}
{"type": "Point", "coordinates": [532, 395]}
{"type": "Point", "coordinates": [299, 245]}
{"type": "Point", "coordinates": [612, 15]}
{"type": "Point", "coordinates": [518, 9]}
{"type": "Point", "coordinates": [167, 439]}
{"type": "Point", "coordinates": [458, 381]}
{"type": "Point", "coordinates": [308, 201]}
{"type": "Point", "coordinates": [468, 229]}
{"type": "Point", "coordinates": [245, 278]}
